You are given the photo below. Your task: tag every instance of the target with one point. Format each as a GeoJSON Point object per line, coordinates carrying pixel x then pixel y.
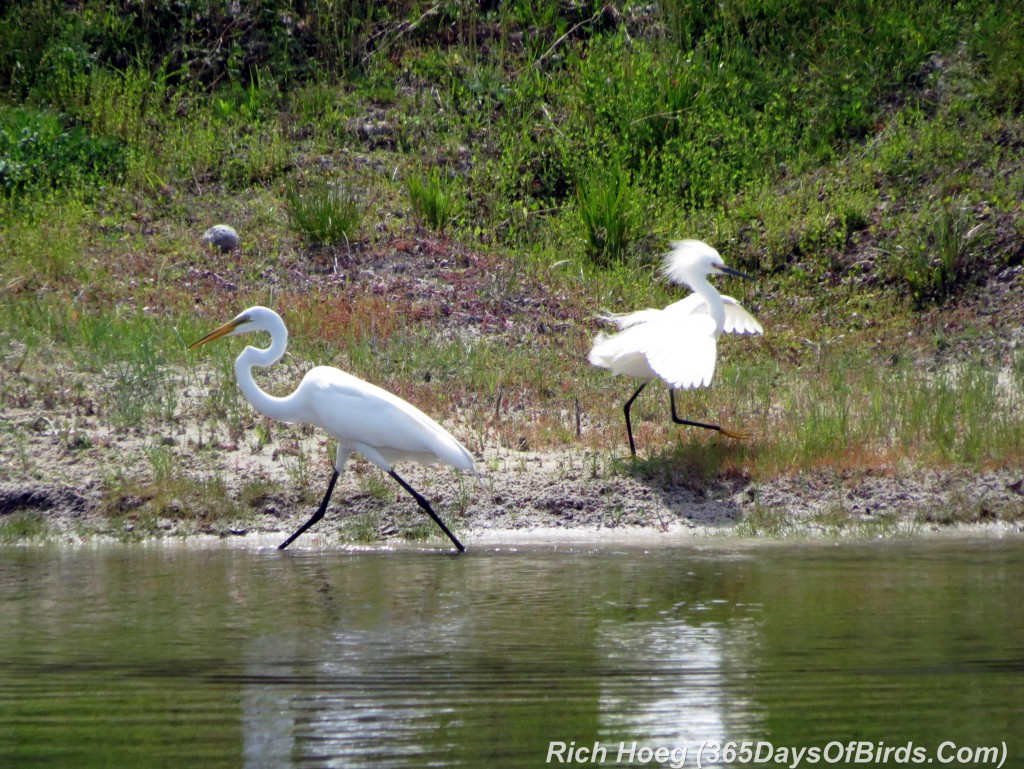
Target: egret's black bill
{"type": "Point", "coordinates": [737, 273]}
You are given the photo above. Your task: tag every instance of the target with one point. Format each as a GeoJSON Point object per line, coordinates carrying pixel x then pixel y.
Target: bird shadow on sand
{"type": "Point", "coordinates": [696, 479]}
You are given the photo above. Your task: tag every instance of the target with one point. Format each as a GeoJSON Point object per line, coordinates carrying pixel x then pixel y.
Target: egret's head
{"type": "Point", "coordinates": [254, 319]}
{"type": "Point", "coordinates": [691, 259]}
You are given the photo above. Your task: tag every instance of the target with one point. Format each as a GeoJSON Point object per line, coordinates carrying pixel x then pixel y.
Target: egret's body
{"type": "Point", "coordinates": [360, 416]}
{"type": "Point", "coordinates": [677, 344]}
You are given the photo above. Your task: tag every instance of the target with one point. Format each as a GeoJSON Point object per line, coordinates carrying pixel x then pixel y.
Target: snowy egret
{"type": "Point", "coordinates": [679, 343]}
{"type": "Point", "coordinates": [360, 416]}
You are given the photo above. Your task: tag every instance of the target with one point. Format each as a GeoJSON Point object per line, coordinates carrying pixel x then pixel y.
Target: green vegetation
{"type": "Point", "coordinates": [325, 215]}
{"type": "Point", "coordinates": [440, 198]}
{"type": "Point", "coordinates": [22, 526]}
{"type": "Point", "coordinates": [38, 152]}
{"type": "Point", "coordinates": [433, 199]}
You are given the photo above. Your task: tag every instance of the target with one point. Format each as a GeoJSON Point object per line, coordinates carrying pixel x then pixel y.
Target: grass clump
{"type": "Point", "coordinates": [324, 214]}
{"type": "Point", "coordinates": [941, 254]}
{"type": "Point", "coordinates": [18, 527]}
{"type": "Point", "coordinates": [610, 216]}
{"type": "Point", "coordinates": [434, 198]}
{"type": "Point", "coordinates": [140, 507]}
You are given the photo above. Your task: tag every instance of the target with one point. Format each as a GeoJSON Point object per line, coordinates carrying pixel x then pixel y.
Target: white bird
{"type": "Point", "coordinates": [360, 416]}
{"type": "Point", "coordinates": [679, 343]}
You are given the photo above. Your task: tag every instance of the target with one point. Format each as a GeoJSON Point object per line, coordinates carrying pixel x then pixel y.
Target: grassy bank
{"type": "Point", "coordinates": [440, 198]}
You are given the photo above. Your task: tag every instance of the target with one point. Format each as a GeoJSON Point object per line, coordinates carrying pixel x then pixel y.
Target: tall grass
{"type": "Point", "coordinates": [610, 215]}
{"type": "Point", "coordinates": [43, 244]}
{"type": "Point", "coordinates": [324, 214]}
{"type": "Point", "coordinates": [940, 253]}
{"type": "Point", "coordinates": [434, 199]}
{"type": "Point", "coordinates": [852, 412]}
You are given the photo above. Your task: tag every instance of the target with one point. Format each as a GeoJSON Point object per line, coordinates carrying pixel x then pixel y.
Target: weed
{"type": "Point", "coordinates": [262, 431]}
{"type": "Point", "coordinates": [37, 151]}
{"type": "Point", "coordinates": [375, 484]}
{"type": "Point", "coordinates": [255, 491]}
{"type": "Point", "coordinates": [434, 199]}
{"type": "Point", "coordinates": [360, 527]}
{"type": "Point", "coordinates": [609, 215]}
{"type": "Point", "coordinates": [834, 520]}
{"type": "Point", "coordinates": [939, 258]}
{"type": "Point", "coordinates": [764, 521]}
{"type": "Point", "coordinates": [135, 507]}
{"type": "Point", "coordinates": [466, 486]}
{"type": "Point", "coordinates": [324, 214]}
{"type": "Point", "coordinates": [44, 246]}
{"type": "Point", "coordinates": [164, 465]}
{"type": "Point", "coordinates": [301, 472]}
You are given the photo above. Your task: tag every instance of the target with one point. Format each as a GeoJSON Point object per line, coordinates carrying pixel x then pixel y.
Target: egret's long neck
{"type": "Point", "coordinates": [716, 307]}
{"type": "Point", "coordinates": [281, 409]}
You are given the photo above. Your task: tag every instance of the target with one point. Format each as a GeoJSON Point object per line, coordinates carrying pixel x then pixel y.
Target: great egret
{"type": "Point", "coordinates": [360, 416]}
{"type": "Point", "coordinates": [679, 343]}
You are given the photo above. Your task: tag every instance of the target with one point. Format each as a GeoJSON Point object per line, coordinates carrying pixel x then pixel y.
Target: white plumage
{"type": "Point", "coordinates": [378, 424]}
{"type": "Point", "coordinates": [677, 344]}
{"type": "Point", "coordinates": [360, 416]}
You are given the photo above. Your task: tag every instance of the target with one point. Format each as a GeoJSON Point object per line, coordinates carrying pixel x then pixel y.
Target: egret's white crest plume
{"type": "Point", "coordinates": [679, 343]}
{"type": "Point", "coordinates": [360, 416]}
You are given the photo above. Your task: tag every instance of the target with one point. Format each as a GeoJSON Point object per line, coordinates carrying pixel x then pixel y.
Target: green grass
{"type": "Point", "coordinates": [434, 199]}
{"type": "Point", "coordinates": [860, 159]}
{"type": "Point", "coordinates": [18, 527]}
{"type": "Point", "coordinates": [324, 214]}
{"type": "Point", "coordinates": [610, 215]}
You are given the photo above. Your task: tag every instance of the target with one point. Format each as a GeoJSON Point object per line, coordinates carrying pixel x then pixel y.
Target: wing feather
{"type": "Point", "coordinates": [737, 319]}
{"type": "Point", "coordinates": [683, 353]}
{"type": "Point", "coordinates": [678, 349]}
{"type": "Point", "coordinates": [627, 319]}
{"type": "Point", "coordinates": [365, 417]}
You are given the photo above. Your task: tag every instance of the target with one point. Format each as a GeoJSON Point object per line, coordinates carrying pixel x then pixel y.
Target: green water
{"type": "Point", "coordinates": [165, 656]}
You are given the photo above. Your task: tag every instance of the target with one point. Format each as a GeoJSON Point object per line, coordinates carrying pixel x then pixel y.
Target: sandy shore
{"type": "Point", "coordinates": [572, 496]}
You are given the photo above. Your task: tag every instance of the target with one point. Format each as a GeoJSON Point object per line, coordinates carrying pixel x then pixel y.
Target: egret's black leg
{"type": "Point", "coordinates": [678, 421]}
{"type": "Point", "coordinates": [426, 506]}
{"type": "Point", "coordinates": [315, 517]}
{"type": "Point", "coordinates": [629, 425]}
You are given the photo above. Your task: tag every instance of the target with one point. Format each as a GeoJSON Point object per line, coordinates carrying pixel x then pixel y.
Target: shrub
{"type": "Point", "coordinates": [37, 151]}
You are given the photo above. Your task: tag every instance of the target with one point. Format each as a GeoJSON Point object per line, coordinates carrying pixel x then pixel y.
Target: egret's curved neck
{"type": "Point", "coordinates": [716, 307]}
{"type": "Point", "coordinates": [280, 409]}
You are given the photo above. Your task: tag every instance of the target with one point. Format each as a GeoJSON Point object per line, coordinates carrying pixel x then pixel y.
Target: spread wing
{"type": "Point", "coordinates": [737, 319]}
{"type": "Point", "coordinates": [679, 349]}
{"type": "Point", "coordinates": [682, 352]}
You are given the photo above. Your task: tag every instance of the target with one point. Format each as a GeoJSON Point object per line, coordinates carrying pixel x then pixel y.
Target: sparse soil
{"type": "Point", "coordinates": [518, 492]}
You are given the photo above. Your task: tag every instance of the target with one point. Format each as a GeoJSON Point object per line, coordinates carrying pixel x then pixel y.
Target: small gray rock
{"type": "Point", "coordinates": [222, 236]}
